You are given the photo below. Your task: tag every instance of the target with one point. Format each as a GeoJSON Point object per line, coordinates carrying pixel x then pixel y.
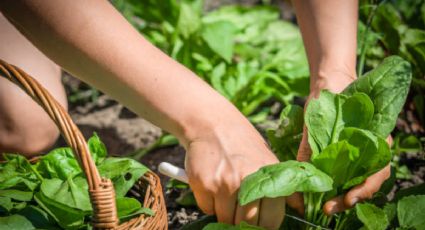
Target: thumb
{"type": "Point", "coordinates": [304, 151]}
{"type": "Point", "coordinates": [296, 202]}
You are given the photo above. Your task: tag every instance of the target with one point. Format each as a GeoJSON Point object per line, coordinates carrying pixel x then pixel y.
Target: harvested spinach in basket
{"type": "Point", "coordinates": [53, 193]}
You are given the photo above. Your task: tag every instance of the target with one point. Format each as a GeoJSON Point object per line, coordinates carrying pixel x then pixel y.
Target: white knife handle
{"type": "Point", "coordinates": [173, 172]}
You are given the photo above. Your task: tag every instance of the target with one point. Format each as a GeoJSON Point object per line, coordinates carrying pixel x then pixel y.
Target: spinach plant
{"type": "Point", "coordinates": [53, 193]}
{"type": "Point", "coordinates": [346, 133]}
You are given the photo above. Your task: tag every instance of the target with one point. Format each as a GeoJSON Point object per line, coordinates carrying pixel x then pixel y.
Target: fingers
{"type": "Point", "coordinates": [272, 212]}
{"type": "Point", "coordinates": [304, 151]}
{"type": "Point", "coordinates": [205, 201]}
{"type": "Point", "coordinates": [225, 205]}
{"type": "Point", "coordinates": [296, 201]}
{"type": "Point", "coordinates": [334, 205]}
{"type": "Point", "coordinates": [248, 213]}
{"type": "Point", "coordinates": [366, 190]}
{"type": "Point", "coordinates": [359, 193]}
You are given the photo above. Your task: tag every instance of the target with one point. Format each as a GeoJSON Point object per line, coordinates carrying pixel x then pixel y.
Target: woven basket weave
{"type": "Point", "coordinates": [101, 190]}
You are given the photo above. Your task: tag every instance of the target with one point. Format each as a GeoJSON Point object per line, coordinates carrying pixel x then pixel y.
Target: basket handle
{"type": "Point", "coordinates": [101, 190]}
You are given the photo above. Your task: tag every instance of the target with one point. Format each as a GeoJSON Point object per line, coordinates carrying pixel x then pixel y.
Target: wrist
{"type": "Point", "coordinates": [334, 80]}
{"type": "Point", "coordinates": [211, 122]}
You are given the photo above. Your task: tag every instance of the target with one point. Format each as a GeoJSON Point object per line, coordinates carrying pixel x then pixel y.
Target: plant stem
{"type": "Point", "coordinates": [364, 38]}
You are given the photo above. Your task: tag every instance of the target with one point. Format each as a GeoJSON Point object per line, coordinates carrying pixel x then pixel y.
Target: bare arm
{"type": "Point", "coordinates": [329, 30]}
{"type": "Point", "coordinates": [91, 40]}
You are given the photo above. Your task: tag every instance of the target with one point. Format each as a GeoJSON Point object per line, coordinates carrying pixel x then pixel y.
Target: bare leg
{"type": "Point", "coordinates": [24, 126]}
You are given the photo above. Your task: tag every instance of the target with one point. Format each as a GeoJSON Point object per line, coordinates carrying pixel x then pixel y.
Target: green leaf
{"type": "Point", "coordinates": [16, 194]}
{"type": "Point", "coordinates": [357, 111]}
{"type": "Point", "coordinates": [123, 172]}
{"type": "Point", "coordinates": [189, 19]}
{"type": "Point", "coordinates": [142, 210]}
{"type": "Point", "coordinates": [186, 198]}
{"type": "Point", "coordinates": [127, 205]}
{"type": "Point", "coordinates": [326, 117]}
{"type": "Point", "coordinates": [411, 212]}
{"type": "Point", "coordinates": [65, 216]}
{"type": "Point", "coordinates": [97, 148]}
{"type": "Point", "coordinates": [38, 218]}
{"type": "Point", "coordinates": [335, 160]}
{"type": "Point", "coordinates": [59, 163]}
{"type": "Point", "coordinates": [374, 154]}
{"type": "Point", "coordinates": [387, 21]}
{"type": "Point", "coordinates": [390, 210]}
{"type": "Point", "coordinates": [414, 190]}
{"type": "Point", "coordinates": [216, 79]}
{"type": "Point", "coordinates": [200, 223]}
{"type": "Point", "coordinates": [286, 139]}
{"type": "Point", "coordinates": [71, 192]}
{"type": "Point", "coordinates": [283, 179]}
{"type": "Point", "coordinates": [15, 222]}
{"type": "Point", "coordinates": [5, 204]}
{"type": "Point", "coordinates": [222, 226]}
{"type": "Point", "coordinates": [387, 86]}
{"type": "Point", "coordinates": [220, 38]}
{"type": "Point", "coordinates": [372, 217]}
{"type": "Point", "coordinates": [17, 173]}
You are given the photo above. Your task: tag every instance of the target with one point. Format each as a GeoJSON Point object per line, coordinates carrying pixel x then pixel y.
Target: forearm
{"type": "Point", "coordinates": [91, 40]}
{"type": "Point", "coordinates": [329, 29]}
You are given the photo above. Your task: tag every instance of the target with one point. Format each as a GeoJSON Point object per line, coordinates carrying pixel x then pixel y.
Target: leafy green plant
{"type": "Point", "coordinates": [53, 193]}
{"type": "Point", "coordinates": [347, 134]}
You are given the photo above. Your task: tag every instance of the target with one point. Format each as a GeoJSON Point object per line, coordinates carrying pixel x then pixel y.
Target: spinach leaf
{"type": "Point", "coordinates": [372, 217]}
{"type": "Point", "coordinates": [17, 173]}
{"type": "Point", "coordinates": [411, 212]}
{"type": "Point", "coordinates": [129, 207]}
{"type": "Point", "coordinates": [72, 193]}
{"type": "Point", "coordinates": [64, 215]}
{"type": "Point", "coordinates": [38, 218]}
{"type": "Point", "coordinates": [390, 210]}
{"type": "Point", "coordinates": [5, 204]}
{"type": "Point", "coordinates": [16, 194]}
{"type": "Point", "coordinates": [15, 222]}
{"type": "Point", "coordinates": [326, 117]}
{"type": "Point", "coordinates": [387, 85]}
{"type": "Point", "coordinates": [59, 163]}
{"type": "Point", "coordinates": [222, 226]}
{"type": "Point", "coordinates": [335, 160]}
{"type": "Point", "coordinates": [374, 154]}
{"type": "Point", "coordinates": [286, 139]}
{"type": "Point", "coordinates": [283, 179]}
{"type": "Point", "coordinates": [219, 36]}
{"type": "Point", "coordinates": [97, 148]}
{"type": "Point", "coordinates": [189, 18]}
{"type": "Point", "coordinates": [123, 172]}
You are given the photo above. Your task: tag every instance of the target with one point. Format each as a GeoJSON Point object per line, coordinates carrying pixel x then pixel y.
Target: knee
{"type": "Point", "coordinates": [28, 138]}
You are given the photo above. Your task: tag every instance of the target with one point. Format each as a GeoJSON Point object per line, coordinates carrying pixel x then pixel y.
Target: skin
{"type": "Point", "coordinates": [91, 40]}
{"type": "Point", "coordinates": [16, 121]}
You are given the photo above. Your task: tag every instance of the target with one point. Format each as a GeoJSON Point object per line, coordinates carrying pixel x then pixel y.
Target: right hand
{"type": "Point", "coordinates": [216, 163]}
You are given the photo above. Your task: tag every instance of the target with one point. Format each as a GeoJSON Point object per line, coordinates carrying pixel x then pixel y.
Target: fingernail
{"type": "Point", "coordinates": [354, 201]}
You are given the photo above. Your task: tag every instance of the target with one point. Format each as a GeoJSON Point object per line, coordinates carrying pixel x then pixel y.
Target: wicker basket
{"type": "Point", "coordinates": [101, 190]}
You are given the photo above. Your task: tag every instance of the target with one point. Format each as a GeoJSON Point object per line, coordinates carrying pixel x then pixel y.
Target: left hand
{"type": "Point", "coordinates": [358, 193]}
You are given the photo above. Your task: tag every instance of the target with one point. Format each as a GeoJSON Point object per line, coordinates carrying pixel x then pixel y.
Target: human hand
{"type": "Point", "coordinates": [359, 193]}
{"type": "Point", "coordinates": [217, 162]}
